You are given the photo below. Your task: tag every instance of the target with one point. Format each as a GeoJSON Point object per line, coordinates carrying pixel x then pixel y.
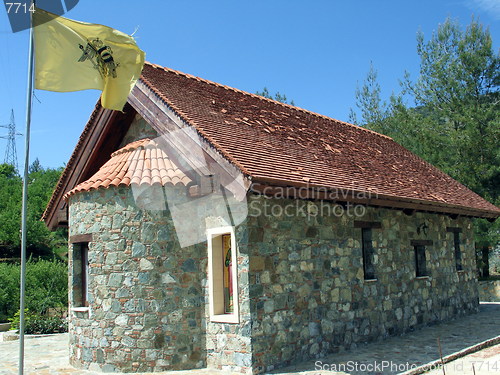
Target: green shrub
{"type": "Point", "coordinates": [46, 324]}
{"type": "Point", "coordinates": [9, 290]}
{"type": "Point", "coordinates": [15, 320]}
{"type": "Point", "coordinates": [46, 287]}
{"type": "Point", "coordinates": [39, 324]}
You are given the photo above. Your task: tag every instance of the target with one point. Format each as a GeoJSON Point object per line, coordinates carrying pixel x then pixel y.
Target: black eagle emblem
{"type": "Point", "coordinates": [101, 56]}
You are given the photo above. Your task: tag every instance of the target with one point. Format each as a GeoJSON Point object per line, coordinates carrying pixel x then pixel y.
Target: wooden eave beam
{"type": "Point", "coordinates": [273, 187]}
{"type": "Point", "coordinates": [102, 138]}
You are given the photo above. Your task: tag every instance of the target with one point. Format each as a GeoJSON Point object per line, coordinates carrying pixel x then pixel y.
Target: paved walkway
{"type": "Point", "coordinates": [486, 361]}
{"type": "Point", "coordinates": [402, 353]}
{"type": "Point", "coordinates": [49, 355]}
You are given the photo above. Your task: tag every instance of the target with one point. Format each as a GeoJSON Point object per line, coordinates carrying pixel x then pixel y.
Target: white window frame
{"type": "Point", "coordinates": [215, 264]}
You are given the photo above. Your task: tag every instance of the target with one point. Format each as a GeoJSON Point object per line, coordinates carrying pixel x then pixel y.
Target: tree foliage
{"type": "Point", "coordinates": [41, 183]}
{"type": "Point", "coordinates": [277, 96]}
{"type": "Point", "coordinates": [450, 114]}
{"type": "Point", "coordinates": [459, 80]}
{"type": "Point", "coordinates": [46, 287]}
{"type": "Point", "coordinates": [373, 110]}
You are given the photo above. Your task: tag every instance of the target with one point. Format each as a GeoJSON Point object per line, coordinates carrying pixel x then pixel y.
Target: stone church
{"type": "Point", "coordinates": [210, 227]}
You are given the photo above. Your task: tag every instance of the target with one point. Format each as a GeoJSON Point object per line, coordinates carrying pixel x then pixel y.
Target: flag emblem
{"type": "Point", "coordinates": [101, 57]}
{"type": "Point", "coordinates": [72, 56]}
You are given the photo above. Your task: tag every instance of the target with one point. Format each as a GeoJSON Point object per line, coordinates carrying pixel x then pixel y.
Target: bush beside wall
{"type": "Point", "coordinates": [46, 287]}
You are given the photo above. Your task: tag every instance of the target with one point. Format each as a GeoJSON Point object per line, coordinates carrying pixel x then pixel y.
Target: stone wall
{"type": "Point", "coordinates": [139, 129]}
{"type": "Point", "coordinates": [149, 299]}
{"type": "Point", "coordinates": [308, 296]}
{"type": "Point", "coordinates": [494, 260]}
{"type": "Point", "coordinates": [302, 292]}
{"type": "Point", "coordinates": [489, 291]}
{"type": "Point", "coordinates": [146, 294]}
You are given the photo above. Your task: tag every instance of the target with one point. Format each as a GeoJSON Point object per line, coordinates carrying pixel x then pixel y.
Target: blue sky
{"type": "Point", "coordinates": [313, 51]}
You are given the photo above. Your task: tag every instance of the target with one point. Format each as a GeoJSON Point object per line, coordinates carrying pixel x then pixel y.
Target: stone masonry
{"type": "Point", "coordinates": [301, 287]}
{"type": "Point", "coordinates": [146, 299]}
{"type": "Point", "coordinates": [489, 290]}
{"type": "Point", "coordinates": [308, 296]}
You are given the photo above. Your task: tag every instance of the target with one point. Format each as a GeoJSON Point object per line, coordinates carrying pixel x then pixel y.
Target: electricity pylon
{"type": "Point", "coordinates": [10, 151]}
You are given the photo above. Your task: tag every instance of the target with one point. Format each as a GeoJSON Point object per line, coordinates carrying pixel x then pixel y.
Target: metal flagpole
{"type": "Point", "coordinates": [29, 95]}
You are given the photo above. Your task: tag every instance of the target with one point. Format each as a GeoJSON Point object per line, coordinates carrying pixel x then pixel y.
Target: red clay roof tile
{"type": "Point", "coordinates": [267, 139]}
{"type": "Point", "coordinates": [141, 163]}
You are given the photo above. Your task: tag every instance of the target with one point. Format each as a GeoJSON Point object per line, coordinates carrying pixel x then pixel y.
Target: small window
{"type": "Point", "coordinates": [458, 254]}
{"type": "Point", "coordinates": [456, 245]}
{"type": "Point", "coordinates": [222, 273]}
{"type": "Point", "coordinates": [420, 263]}
{"type": "Point", "coordinates": [368, 253]}
{"type": "Point", "coordinates": [80, 274]}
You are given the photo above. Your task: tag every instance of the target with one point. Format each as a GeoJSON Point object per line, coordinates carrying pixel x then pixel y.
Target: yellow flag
{"type": "Point", "coordinates": [72, 56]}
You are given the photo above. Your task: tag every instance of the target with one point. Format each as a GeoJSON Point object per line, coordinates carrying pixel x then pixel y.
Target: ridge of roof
{"type": "Point", "coordinates": [335, 157]}
{"type": "Point", "coordinates": [299, 109]}
{"type": "Point", "coordinates": [131, 146]}
{"type": "Point", "coordinates": [354, 155]}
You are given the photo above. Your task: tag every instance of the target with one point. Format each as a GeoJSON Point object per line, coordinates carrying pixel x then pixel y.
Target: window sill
{"type": "Point", "coordinates": [225, 318]}
{"type": "Point", "coordinates": [80, 309]}
{"type": "Point", "coordinates": [422, 277]}
{"type": "Point", "coordinates": [370, 280]}
{"type": "Point", "coordinates": [461, 271]}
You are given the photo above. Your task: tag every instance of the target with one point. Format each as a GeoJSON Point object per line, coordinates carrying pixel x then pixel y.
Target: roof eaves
{"type": "Point", "coordinates": [72, 160]}
{"type": "Point", "coordinates": [383, 200]}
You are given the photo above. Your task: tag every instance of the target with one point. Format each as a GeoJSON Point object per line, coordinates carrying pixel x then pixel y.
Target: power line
{"type": "Point", "coordinates": [10, 151]}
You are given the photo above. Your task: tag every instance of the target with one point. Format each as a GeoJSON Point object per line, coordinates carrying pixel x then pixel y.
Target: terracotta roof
{"type": "Point", "coordinates": [277, 144]}
{"type": "Point", "coordinates": [141, 162]}
{"type": "Point", "coordinates": [272, 141]}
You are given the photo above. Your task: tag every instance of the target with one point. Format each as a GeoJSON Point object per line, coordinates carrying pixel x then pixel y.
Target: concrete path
{"type": "Point", "coordinates": [49, 355]}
